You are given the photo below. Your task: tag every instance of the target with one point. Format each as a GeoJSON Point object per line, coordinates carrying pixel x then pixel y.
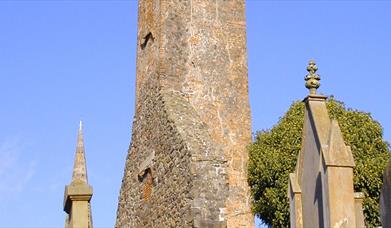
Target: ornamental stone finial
{"type": "Point", "coordinates": [312, 79]}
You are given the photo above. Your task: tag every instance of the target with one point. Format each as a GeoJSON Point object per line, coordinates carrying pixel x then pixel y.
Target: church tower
{"type": "Point", "coordinates": [187, 162]}
{"type": "Point", "coordinates": [78, 193]}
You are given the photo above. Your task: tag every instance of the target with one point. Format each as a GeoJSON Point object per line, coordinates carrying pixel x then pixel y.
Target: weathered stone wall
{"type": "Point", "coordinates": [188, 184]}
{"type": "Point", "coordinates": [216, 85]}
{"type": "Point", "coordinates": [192, 124]}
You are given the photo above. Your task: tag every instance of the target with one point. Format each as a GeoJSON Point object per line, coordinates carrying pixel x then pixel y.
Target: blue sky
{"type": "Point", "coordinates": [61, 61]}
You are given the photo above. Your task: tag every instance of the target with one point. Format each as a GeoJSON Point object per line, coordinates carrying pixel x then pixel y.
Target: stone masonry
{"type": "Point", "coordinates": [187, 162]}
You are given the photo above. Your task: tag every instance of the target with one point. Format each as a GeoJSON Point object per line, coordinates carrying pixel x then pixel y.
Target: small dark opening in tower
{"type": "Point", "coordinates": [146, 179]}
{"type": "Point", "coordinates": [146, 39]}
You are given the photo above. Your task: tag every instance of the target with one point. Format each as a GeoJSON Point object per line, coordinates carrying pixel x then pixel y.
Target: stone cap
{"type": "Point", "coordinates": [76, 192]}
{"type": "Point", "coordinates": [315, 97]}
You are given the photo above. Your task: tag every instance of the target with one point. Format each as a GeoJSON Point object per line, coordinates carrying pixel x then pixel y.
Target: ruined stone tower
{"type": "Point", "coordinates": [187, 163]}
{"type": "Point", "coordinates": [78, 193]}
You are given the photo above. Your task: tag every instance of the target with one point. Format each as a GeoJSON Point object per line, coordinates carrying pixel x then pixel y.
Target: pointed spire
{"type": "Point", "coordinates": [312, 79]}
{"type": "Point", "coordinates": [79, 167]}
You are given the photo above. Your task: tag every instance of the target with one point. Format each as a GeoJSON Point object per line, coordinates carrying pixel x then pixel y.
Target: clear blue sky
{"type": "Point", "coordinates": [61, 61]}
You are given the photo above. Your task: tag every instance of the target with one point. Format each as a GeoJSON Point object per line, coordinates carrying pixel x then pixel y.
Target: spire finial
{"type": "Point", "coordinates": [79, 167]}
{"type": "Point", "coordinates": [312, 79]}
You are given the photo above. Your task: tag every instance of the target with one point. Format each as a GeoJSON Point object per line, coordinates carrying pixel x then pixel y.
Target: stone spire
{"type": "Point", "coordinates": [79, 167]}
{"type": "Point", "coordinates": [312, 79]}
{"type": "Point", "coordinates": [78, 193]}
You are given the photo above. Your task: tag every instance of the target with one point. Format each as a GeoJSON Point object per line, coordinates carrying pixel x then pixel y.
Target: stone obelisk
{"type": "Point", "coordinates": [187, 162]}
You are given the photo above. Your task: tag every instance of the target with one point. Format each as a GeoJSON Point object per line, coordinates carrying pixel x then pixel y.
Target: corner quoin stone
{"type": "Point", "coordinates": [187, 162]}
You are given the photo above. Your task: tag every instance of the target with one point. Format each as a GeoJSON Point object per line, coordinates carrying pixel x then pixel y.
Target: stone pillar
{"type": "Point", "coordinates": [339, 205]}
{"type": "Point", "coordinates": [296, 210]}
{"type": "Point", "coordinates": [77, 205]}
{"type": "Point", "coordinates": [385, 198]}
{"type": "Point", "coordinates": [358, 202]}
{"type": "Point", "coordinates": [193, 114]}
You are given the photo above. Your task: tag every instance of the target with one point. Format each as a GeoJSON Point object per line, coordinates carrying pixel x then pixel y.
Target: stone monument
{"type": "Point", "coordinates": [321, 190]}
{"type": "Point", "coordinates": [385, 198]}
{"type": "Point", "coordinates": [187, 162]}
{"type": "Point", "coordinates": [78, 193]}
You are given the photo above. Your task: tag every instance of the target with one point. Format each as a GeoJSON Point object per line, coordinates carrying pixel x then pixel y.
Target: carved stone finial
{"type": "Point", "coordinates": [312, 79]}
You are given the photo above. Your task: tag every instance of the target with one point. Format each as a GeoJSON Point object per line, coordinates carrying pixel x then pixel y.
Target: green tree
{"type": "Point", "coordinates": [273, 156]}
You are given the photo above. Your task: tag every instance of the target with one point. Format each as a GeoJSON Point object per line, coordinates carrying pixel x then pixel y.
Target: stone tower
{"type": "Point", "coordinates": [78, 193]}
{"type": "Point", "coordinates": [187, 163]}
{"type": "Point", "coordinates": [321, 188]}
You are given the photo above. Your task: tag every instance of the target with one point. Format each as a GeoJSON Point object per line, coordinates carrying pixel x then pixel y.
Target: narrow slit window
{"type": "Point", "coordinates": [146, 39]}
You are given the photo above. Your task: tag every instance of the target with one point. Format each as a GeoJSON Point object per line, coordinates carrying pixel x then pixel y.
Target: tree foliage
{"type": "Point", "coordinates": [273, 156]}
